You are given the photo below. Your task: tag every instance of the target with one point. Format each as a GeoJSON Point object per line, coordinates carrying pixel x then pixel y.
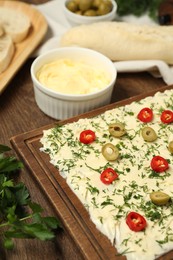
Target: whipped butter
{"type": "Point", "coordinates": [72, 77]}
{"type": "Point", "coordinates": [108, 205]}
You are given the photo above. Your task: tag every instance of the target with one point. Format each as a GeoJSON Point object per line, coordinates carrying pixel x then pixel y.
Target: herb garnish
{"type": "Point", "coordinates": [138, 8]}
{"type": "Point", "coordinates": [19, 216]}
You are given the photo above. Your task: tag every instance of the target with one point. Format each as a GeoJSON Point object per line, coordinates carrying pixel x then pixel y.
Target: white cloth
{"type": "Point", "coordinates": [157, 68]}
{"type": "Point", "coordinates": [58, 24]}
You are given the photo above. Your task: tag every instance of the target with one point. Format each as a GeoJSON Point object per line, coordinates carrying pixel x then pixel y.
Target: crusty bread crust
{"type": "Point", "coordinates": [1, 30]}
{"type": "Point", "coordinates": [7, 49]}
{"type": "Point", "coordinates": [122, 41]}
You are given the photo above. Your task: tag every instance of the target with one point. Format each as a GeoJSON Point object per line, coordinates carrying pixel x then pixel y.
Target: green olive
{"type": "Point", "coordinates": [72, 6]}
{"type": "Point", "coordinates": [84, 5]}
{"type": "Point", "coordinates": [96, 3]}
{"type": "Point", "coordinates": [159, 198]}
{"type": "Point", "coordinates": [78, 12]}
{"type": "Point", "coordinates": [117, 129]}
{"type": "Point", "coordinates": [149, 134]}
{"type": "Point", "coordinates": [170, 147]}
{"type": "Point", "coordinates": [90, 12]}
{"type": "Point", "coordinates": [104, 8]}
{"type": "Point", "coordinates": [109, 3]}
{"type": "Point", "coordinates": [77, 2]}
{"type": "Point", "coordinates": [110, 152]}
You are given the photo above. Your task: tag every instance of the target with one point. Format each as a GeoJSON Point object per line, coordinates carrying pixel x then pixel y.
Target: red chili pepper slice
{"type": "Point", "coordinates": [167, 116]}
{"type": "Point", "coordinates": [159, 164]}
{"type": "Point", "coordinates": [108, 176]}
{"type": "Point", "coordinates": [136, 222]}
{"type": "Point", "coordinates": [145, 115]}
{"type": "Point", "coordinates": [87, 136]}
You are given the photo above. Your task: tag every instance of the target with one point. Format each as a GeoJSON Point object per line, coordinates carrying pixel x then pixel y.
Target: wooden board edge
{"type": "Point", "coordinates": [73, 224]}
{"type": "Point", "coordinates": [19, 141]}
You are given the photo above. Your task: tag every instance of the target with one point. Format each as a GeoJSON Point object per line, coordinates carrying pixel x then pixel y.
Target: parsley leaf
{"type": "Point", "coordinates": [138, 8]}
{"type": "Point", "coordinates": [19, 216]}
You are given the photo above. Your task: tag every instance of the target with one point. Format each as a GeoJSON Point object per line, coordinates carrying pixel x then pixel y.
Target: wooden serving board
{"type": "Point", "coordinates": [74, 217]}
{"type": "Point", "coordinates": [28, 45]}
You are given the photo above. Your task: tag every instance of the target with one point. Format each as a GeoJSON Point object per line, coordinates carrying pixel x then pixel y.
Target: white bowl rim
{"type": "Point", "coordinates": [72, 97]}
{"type": "Point", "coordinates": [91, 18]}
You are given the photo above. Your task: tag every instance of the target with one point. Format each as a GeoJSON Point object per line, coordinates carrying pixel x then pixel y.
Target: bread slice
{"type": "Point", "coordinates": [121, 41]}
{"type": "Point", "coordinates": [6, 51]}
{"type": "Point", "coordinates": [14, 23]}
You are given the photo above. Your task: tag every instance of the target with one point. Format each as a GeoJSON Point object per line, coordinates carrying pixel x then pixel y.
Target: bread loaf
{"type": "Point", "coordinates": [121, 41]}
{"type": "Point", "coordinates": [6, 51]}
{"type": "Point", "coordinates": [14, 23]}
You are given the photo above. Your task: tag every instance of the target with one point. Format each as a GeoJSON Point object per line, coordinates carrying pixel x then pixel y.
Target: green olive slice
{"type": "Point", "coordinates": [170, 147]}
{"type": "Point", "coordinates": [149, 134]}
{"type": "Point", "coordinates": [117, 129]}
{"type": "Point", "coordinates": [159, 198]}
{"type": "Point", "coordinates": [110, 152]}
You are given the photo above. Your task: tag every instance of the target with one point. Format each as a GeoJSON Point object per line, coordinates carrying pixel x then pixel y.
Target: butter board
{"type": "Point", "coordinates": [73, 216]}
{"type": "Point", "coordinates": [23, 49]}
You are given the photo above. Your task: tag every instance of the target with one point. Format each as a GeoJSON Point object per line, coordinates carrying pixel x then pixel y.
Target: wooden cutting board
{"type": "Point", "coordinates": [74, 217]}
{"type": "Point", "coordinates": [28, 45]}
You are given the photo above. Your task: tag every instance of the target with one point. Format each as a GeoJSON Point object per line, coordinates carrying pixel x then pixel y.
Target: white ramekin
{"type": "Point", "coordinates": [76, 19]}
{"type": "Point", "coordinates": [63, 106]}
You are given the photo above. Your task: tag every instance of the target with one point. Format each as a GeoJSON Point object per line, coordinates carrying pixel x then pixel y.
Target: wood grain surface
{"type": "Point", "coordinates": [19, 114]}
{"type": "Point", "coordinates": [25, 48]}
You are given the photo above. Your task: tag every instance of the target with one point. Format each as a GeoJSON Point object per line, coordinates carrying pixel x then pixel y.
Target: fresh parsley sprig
{"type": "Point", "coordinates": [138, 8]}
{"type": "Point", "coordinates": [20, 217]}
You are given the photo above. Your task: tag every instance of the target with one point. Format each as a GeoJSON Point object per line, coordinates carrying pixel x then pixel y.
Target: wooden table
{"type": "Point", "coordinates": [19, 113]}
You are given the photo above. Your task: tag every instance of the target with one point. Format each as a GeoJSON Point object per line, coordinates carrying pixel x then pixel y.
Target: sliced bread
{"type": "Point", "coordinates": [6, 51]}
{"type": "Point", "coordinates": [14, 23]}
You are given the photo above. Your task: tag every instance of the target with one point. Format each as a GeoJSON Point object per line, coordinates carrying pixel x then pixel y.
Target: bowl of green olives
{"type": "Point", "coordinates": [89, 11]}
